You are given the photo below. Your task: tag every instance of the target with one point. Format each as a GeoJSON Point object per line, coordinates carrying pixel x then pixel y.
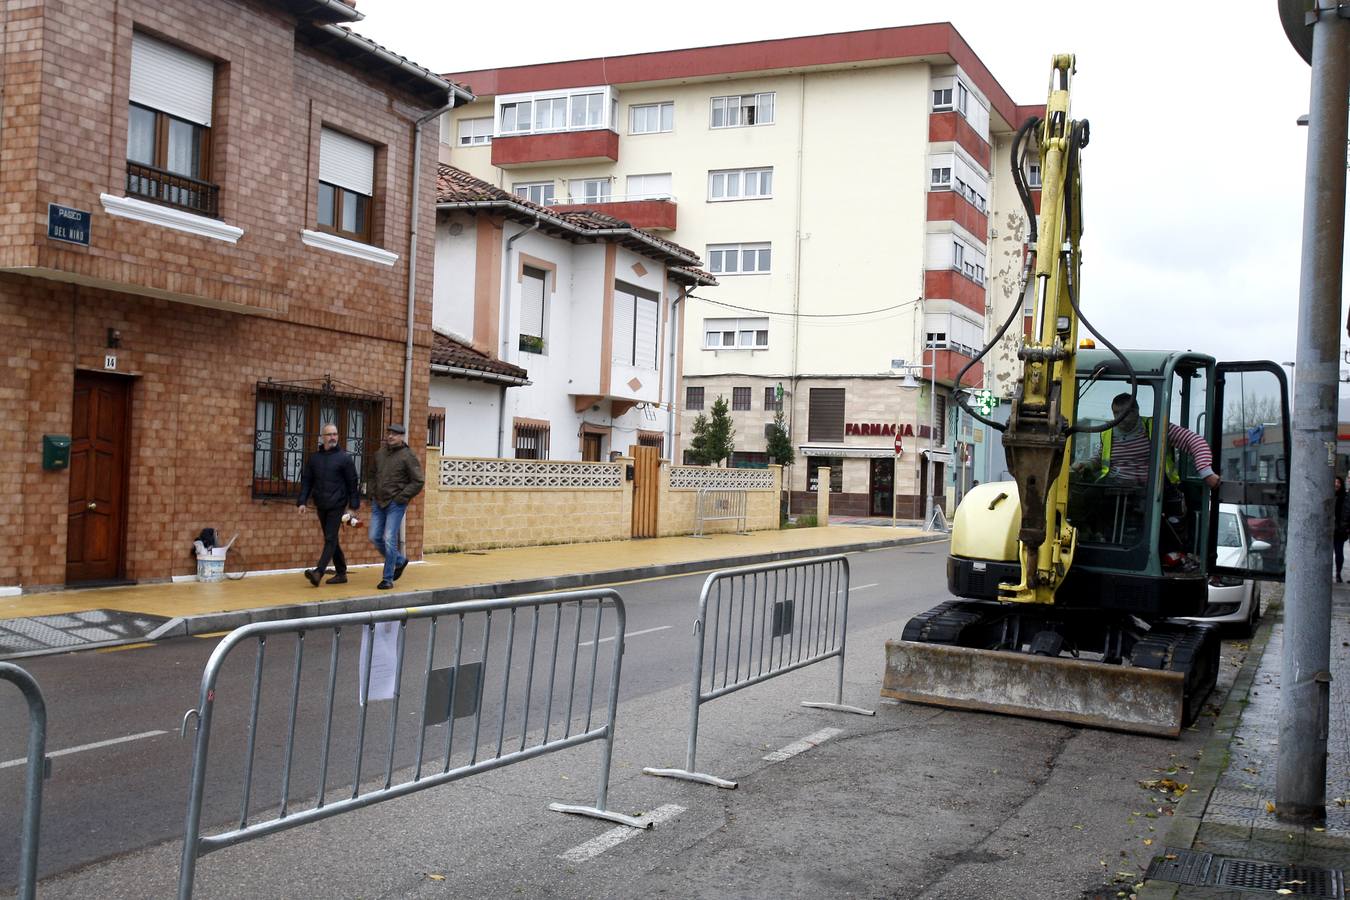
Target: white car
{"type": "Point", "coordinates": [1234, 602]}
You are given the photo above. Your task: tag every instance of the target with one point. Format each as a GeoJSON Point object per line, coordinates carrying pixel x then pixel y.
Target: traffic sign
{"type": "Point", "coordinates": [899, 445]}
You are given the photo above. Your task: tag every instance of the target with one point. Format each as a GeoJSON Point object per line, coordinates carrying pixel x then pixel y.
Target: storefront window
{"type": "Point", "coordinates": [836, 467]}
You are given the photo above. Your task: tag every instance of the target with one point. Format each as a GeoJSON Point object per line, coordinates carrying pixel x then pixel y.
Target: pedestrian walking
{"type": "Point", "coordinates": [398, 479]}
{"type": "Point", "coordinates": [1340, 526]}
{"type": "Point", "coordinates": [329, 477]}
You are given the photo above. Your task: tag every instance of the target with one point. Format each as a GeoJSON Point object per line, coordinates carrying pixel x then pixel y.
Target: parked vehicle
{"type": "Point", "coordinates": [1235, 603]}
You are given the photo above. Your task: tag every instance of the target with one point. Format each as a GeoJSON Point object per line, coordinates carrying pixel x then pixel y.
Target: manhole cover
{"type": "Point", "coordinates": [1207, 870]}
{"type": "Point", "coordinates": [72, 630]}
{"type": "Point", "coordinates": [1180, 867]}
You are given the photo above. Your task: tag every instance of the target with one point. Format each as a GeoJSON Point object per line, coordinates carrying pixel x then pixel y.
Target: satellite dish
{"type": "Point", "coordinates": [1294, 18]}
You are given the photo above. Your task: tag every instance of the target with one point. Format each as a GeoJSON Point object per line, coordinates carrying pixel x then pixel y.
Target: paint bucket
{"type": "Point", "coordinates": [211, 565]}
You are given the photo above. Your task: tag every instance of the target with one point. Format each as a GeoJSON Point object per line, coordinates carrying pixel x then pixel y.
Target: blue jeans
{"type": "Point", "coordinates": [384, 528]}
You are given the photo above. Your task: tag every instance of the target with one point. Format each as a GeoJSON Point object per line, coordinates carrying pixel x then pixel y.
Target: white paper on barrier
{"type": "Point", "coordinates": [383, 660]}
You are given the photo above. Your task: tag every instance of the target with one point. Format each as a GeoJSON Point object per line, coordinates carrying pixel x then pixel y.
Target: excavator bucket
{"type": "Point", "coordinates": [1060, 689]}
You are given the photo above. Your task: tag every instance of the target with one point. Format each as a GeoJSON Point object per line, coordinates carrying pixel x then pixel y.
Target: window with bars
{"type": "Point", "coordinates": [825, 415]}
{"type": "Point", "coordinates": [740, 398]}
{"type": "Point", "coordinates": [693, 398]}
{"type": "Point", "coordinates": [531, 440]}
{"type": "Point", "coordinates": [436, 429]}
{"type": "Point", "coordinates": [287, 421]}
{"type": "Point", "coordinates": [772, 402]}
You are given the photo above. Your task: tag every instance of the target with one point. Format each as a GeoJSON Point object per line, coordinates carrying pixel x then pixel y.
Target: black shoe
{"type": "Point", "coordinates": [398, 570]}
{"type": "Point", "coordinates": [312, 577]}
{"type": "Point", "coordinates": [385, 586]}
{"type": "Point", "coordinates": [339, 578]}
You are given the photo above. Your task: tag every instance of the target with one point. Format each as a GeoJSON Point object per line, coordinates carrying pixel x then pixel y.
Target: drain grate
{"type": "Point", "coordinates": [1207, 870]}
{"type": "Point", "coordinates": [1302, 881]}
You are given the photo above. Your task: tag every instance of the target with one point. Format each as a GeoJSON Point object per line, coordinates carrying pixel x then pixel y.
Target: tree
{"type": "Point", "coordinates": [714, 438]}
{"type": "Point", "coordinates": [780, 445]}
{"type": "Point", "coordinates": [698, 443]}
{"type": "Point", "coordinates": [721, 434]}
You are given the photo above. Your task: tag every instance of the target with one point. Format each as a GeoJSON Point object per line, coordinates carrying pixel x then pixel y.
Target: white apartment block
{"type": "Point", "coordinates": [850, 194]}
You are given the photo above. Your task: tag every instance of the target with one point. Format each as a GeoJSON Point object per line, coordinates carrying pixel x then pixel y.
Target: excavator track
{"type": "Point", "coordinates": [1086, 669]}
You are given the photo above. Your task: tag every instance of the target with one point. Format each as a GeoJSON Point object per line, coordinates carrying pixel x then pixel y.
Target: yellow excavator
{"type": "Point", "coordinates": [1142, 483]}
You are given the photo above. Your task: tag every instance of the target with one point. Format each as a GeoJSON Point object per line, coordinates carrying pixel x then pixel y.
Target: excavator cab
{"type": "Point", "coordinates": [1147, 523]}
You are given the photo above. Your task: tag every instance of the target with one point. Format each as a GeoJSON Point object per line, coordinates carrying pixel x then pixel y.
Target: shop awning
{"type": "Point", "coordinates": [847, 452]}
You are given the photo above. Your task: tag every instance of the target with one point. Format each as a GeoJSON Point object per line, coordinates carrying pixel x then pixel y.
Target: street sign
{"type": "Point", "coordinates": [65, 223]}
{"type": "Point", "coordinates": [899, 445]}
{"type": "Point", "coordinates": [985, 401]}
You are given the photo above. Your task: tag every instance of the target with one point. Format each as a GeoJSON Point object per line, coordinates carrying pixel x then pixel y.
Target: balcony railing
{"type": "Point", "coordinates": [191, 194]}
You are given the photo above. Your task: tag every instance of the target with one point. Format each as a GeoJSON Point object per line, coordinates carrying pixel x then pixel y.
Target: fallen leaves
{"type": "Point", "coordinates": [1270, 807]}
{"type": "Point", "coordinates": [1166, 786]}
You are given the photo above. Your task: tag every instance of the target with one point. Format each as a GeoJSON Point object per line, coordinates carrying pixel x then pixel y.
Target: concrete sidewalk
{"type": "Point", "coordinates": [34, 624]}
{"type": "Point", "coordinates": [1225, 841]}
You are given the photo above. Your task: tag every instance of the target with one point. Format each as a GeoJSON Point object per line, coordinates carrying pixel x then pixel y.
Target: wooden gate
{"type": "Point", "coordinates": [646, 487]}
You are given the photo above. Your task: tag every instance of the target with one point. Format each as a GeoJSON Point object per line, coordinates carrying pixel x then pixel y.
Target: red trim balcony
{"type": "Point", "coordinates": [952, 126]}
{"type": "Point", "coordinates": [654, 215]}
{"type": "Point", "coordinates": [948, 284]}
{"type": "Point", "coordinates": [944, 206]}
{"type": "Point", "coordinates": [598, 145]}
{"type": "Point", "coordinates": [949, 364]}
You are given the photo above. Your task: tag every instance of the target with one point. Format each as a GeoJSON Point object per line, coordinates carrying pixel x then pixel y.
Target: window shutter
{"type": "Point", "coordinates": [826, 415]}
{"type": "Point", "coordinates": [644, 355]}
{"type": "Point", "coordinates": [347, 162]}
{"type": "Point", "coordinates": [532, 303]}
{"type": "Point", "coordinates": [623, 327]}
{"type": "Point", "coordinates": [171, 80]}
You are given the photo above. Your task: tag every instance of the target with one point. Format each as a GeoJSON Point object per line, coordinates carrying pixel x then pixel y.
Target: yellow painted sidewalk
{"type": "Point", "coordinates": [445, 570]}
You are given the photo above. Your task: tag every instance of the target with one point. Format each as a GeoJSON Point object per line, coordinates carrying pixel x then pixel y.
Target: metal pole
{"type": "Point", "coordinates": [1300, 787]}
{"type": "Point", "coordinates": [932, 432]}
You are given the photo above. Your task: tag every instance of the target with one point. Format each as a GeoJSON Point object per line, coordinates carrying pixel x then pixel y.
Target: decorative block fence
{"type": "Point", "coordinates": [476, 504]}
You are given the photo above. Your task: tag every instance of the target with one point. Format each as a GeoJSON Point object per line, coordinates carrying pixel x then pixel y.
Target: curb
{"type": "Point", "coordinates": [184, 626]}
{"type": "Point", "coordinates": [1190, 812]}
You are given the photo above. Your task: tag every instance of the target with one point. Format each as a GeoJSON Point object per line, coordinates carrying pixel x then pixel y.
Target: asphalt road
{"type": "Point", "coordinates": [120, 775]}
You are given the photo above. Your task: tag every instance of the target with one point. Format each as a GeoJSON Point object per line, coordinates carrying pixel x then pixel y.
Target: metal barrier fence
{"type": "Point", "coordinates": [457, 691]}
{"type": "Point", "coordinates": [38, 769]}
{"type": "Point", "coordinates": [716, 504]}
{"type": "Point", "coordinates": [798, 616]}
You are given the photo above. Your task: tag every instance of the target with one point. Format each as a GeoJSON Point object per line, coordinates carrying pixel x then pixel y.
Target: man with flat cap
{"type": "Point", "coordinates": [398, 479]}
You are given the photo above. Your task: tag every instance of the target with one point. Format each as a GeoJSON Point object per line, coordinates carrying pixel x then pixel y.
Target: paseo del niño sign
{"type": "Point", "coordinates": [878, 429]}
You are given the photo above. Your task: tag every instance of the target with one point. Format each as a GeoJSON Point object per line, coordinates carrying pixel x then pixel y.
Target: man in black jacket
{"type": "Point", "coordinates": [330, 478]}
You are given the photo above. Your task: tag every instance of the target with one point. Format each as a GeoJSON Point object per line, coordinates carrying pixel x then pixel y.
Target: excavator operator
{"type": "Point", "coordinates": [1123, 459]}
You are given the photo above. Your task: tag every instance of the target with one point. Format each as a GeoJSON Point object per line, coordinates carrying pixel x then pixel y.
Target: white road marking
{"type": "Point", "coordinates": [863, 587]}
{"type": "Point", "coordinates": [806, 743]}
{"type": "Point", "coordinates": [83, 747]}
{"type": "Point", "coordinates": [604, 640]}
{"type": "Point", "coordinates": [616, 836]}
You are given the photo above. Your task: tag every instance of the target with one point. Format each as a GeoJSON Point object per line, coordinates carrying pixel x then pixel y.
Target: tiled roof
{"type": "Point", "coordinates": [446, 351]}
{"type": "Point", "coordinates": [457, 187]}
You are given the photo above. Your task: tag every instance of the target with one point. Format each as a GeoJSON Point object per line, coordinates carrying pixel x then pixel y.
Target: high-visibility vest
{"type": "Point", "coordinates": [1169, 458]}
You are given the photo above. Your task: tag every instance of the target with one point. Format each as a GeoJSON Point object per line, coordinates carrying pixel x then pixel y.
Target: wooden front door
{"type": "Point", "coordinates": [646, 478]}
{"type": "Point", "coordinates": [100, 412]}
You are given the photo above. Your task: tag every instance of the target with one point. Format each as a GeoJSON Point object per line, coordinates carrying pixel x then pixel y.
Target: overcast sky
{"type": "Point", "coordinates": [1193, 187]}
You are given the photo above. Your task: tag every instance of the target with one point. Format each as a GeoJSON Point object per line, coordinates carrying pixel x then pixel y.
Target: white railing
{"type": "Point", "coordinates": [528, 474]}
{"type": "Point", "coordinates": [692, 478]}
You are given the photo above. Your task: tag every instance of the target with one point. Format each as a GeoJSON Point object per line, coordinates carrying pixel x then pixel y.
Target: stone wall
{"type": "Point", "coordinates": [677, 507]}
{"type": "Point", "coordinates": [476, 504]}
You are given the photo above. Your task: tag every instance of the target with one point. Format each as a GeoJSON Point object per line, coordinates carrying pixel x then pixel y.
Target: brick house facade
{"type": "Point", "coordinates": [180, 315]}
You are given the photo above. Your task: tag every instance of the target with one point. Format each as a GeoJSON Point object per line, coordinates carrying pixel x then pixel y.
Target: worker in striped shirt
{"type": "Point", "coordinates": [1125, 448]}
{"type": "Point", "coordinates": [1124, 460]}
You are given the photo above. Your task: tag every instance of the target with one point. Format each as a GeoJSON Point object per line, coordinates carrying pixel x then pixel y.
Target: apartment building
{"type": "Point", "coordinates": [842, 189]}
{"type": "Point", "coordinates": [560, 328]}
{"type": "Point", "coordinates": [205, 255]}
